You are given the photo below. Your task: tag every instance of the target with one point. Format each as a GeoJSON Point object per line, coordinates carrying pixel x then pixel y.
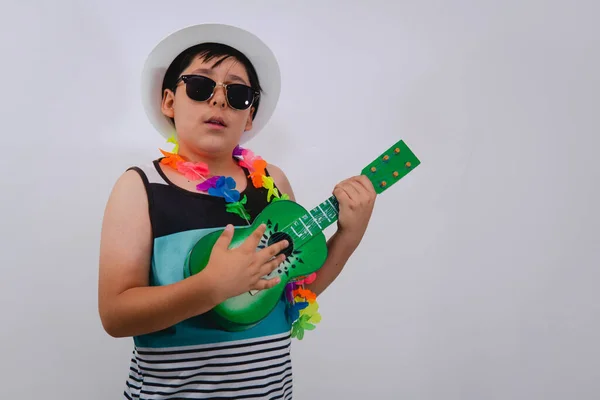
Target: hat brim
{"type": "Point", "coordinates": [251, 46]}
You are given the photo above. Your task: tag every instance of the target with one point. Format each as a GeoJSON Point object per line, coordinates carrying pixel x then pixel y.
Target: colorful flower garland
{"type": "Point", "coordinates": [302, 305]}
{"type": "Point", "coordinates": [303, 308]}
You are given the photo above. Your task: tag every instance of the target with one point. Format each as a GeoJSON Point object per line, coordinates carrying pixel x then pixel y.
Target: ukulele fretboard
{"type": "Point", "coordinates": [315, 221]}
{"type": "Point", "coordinates": [383, 172]}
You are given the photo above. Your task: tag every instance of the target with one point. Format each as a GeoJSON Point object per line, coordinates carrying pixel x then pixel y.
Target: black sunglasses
{"type": "Point", "coordinates": [201, 88]}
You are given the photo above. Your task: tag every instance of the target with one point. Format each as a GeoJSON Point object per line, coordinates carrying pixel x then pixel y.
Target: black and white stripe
{"type": "Point", "coordinates": [258, 368]}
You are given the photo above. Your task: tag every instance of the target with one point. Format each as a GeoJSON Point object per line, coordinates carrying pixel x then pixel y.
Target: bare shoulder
{"type": "Point", "coordinates": [281, 180]}
{"type": "Point", "coordinates": [129, 183]}
{"type": "Point", "coordinates": [128, 195]}
{"type": "Point", "coordinates": [126, 211]}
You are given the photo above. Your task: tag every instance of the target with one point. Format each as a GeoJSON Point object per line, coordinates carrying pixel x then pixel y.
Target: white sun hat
{"type": "Point", "coordinates": [259, 54]}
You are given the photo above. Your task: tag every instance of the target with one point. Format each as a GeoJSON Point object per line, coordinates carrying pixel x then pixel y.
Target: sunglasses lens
{"type": "Point", "coordinates": [240, 96]}
{"type": "Point", "coordinates": [199, 88]}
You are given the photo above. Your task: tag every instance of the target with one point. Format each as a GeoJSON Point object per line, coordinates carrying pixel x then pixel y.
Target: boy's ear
{"type": "Point", "coordinates": [167, 103]}
{"type": "Point", "coordinates": [249, 120]}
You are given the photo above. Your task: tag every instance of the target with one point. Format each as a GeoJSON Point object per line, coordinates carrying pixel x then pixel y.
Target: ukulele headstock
{"type": "Point", "coordinates": [391, 166]}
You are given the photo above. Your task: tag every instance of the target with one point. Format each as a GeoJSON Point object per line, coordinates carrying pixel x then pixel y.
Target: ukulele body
{"type": "Point", "coordinates": [247, 309]}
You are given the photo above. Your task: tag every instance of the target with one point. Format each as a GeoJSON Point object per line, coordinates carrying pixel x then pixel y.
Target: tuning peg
{"type": "Point", "coordinates": [383, 184]}
{"type": "Point", "coordinates": [373, 169]}
{"type": "Point", "coordinates": [408, 164]}
{"type": "Point", "coordinates": [397, 150]}
{"type": "Point", "coordinates": [395, 174]}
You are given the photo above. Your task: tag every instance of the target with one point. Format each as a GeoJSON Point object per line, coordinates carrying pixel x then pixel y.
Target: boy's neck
{"type": "Point", "coordinates": [218, 164]}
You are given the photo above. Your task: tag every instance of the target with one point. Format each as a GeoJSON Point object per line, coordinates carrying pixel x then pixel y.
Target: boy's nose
{"type": "Point", "coordinates": [219, 99]}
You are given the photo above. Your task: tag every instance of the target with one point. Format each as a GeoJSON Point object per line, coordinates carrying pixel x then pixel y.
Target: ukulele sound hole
{"type": "Point", "coordinates": [278, 237]}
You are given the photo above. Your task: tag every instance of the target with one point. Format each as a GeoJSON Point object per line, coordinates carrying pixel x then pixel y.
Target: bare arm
{"type": "Point", "coordinates": [127, 305]}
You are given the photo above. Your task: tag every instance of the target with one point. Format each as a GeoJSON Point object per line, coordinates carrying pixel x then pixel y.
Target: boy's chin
{"type": "Point", "coordinates": [214, 144]}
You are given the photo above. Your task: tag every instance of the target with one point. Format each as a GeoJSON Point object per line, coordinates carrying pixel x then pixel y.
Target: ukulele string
{"type": "Point", "coordinates": [309, 228]}
{"type": "Point", "coordinates": [312, 223]}
{"type": "Point", "coordinates": [281, 233]}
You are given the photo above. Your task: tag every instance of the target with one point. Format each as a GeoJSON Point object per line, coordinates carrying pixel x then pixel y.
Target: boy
{"type": "Point", "coordinates": [214, 86]}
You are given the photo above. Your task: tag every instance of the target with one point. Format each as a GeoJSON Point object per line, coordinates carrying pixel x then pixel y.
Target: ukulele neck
{"type": "Point", "coordinates": [384, 171]}
{"type": "Point", "coordinates": [314, 222]}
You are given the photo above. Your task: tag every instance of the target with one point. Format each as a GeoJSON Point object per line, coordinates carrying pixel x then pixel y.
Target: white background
{"type": "Point", "coordinates": [478, 276]}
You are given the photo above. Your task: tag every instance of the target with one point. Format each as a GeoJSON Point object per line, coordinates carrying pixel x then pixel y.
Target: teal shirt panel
{"type": "Point", "coordinates": [169, 255]}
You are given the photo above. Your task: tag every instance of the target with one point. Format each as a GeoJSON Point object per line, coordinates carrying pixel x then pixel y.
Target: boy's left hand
{"type": "Point", "coordinates": [356, 197]}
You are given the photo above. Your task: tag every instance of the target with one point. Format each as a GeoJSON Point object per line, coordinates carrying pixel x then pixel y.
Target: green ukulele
{"type": "Point", "coordinates": [304, 231]}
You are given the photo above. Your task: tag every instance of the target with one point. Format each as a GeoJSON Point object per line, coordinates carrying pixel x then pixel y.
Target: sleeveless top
{"type": "Point", "coordinates": [194, 359]}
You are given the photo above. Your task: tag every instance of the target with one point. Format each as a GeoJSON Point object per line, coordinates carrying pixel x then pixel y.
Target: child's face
{"type": "Point", "coordinates": [192, 117]}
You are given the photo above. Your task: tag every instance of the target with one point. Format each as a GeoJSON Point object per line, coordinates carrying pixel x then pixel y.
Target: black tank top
{"type": "Point", "coordinates": [175, 209]}
{"type": "Point", "coordinates": [195, 356]}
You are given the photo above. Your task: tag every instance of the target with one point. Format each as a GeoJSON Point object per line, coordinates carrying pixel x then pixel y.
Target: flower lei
{"type": "Point", "coordinates": [302, 309]}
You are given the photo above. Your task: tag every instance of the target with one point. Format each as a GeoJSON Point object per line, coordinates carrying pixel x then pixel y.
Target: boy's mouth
{"type": "Point", "coordinates": [216, 122]}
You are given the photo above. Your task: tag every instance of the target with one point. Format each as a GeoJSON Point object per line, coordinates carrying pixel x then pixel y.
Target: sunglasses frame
{"type": "Point", "coordinates": [185, 78]}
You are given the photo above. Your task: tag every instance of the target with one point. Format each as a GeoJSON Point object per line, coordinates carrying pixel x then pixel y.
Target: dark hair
{"type": "Point", "coordinates": [209, 51]}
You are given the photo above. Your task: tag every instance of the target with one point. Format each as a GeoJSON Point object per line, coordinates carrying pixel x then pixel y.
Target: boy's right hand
{"type": "Point", "coordinates": [239, 270]}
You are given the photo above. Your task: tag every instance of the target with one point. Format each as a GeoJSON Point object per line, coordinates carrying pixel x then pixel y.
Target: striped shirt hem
{"type": "Point", "coordinates": [246, 369]}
